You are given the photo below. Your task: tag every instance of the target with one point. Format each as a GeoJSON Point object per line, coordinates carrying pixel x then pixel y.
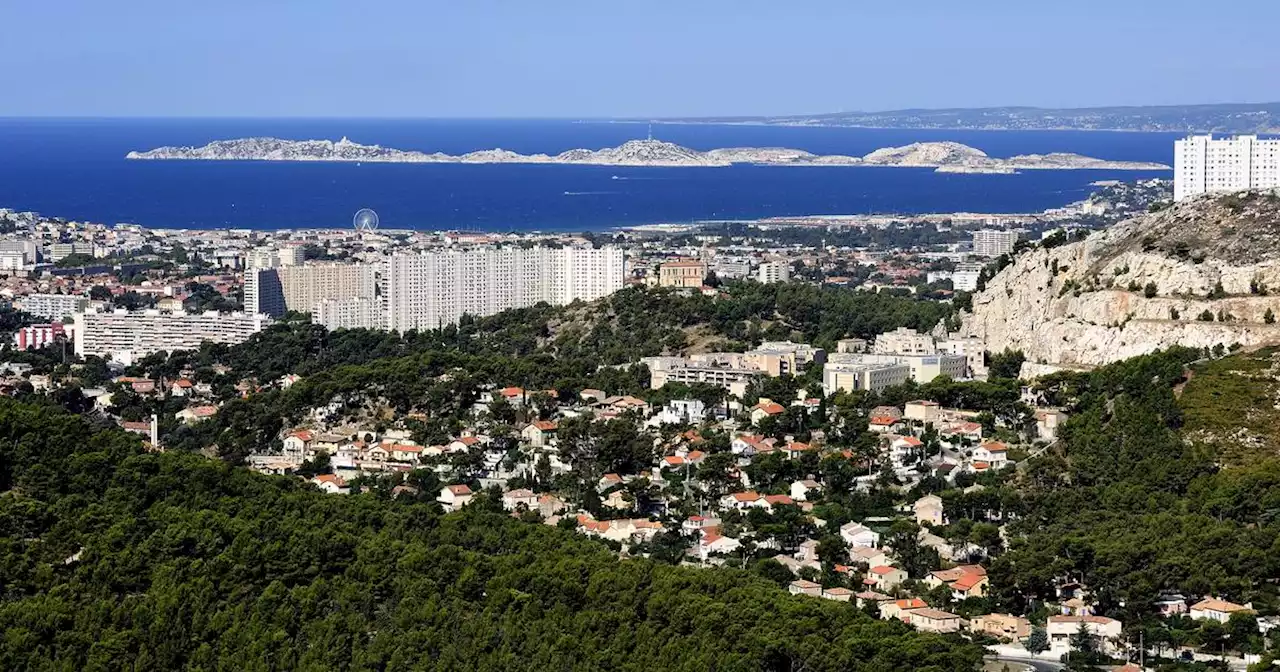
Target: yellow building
{"type": "Point", "coordinates": [682, 274]}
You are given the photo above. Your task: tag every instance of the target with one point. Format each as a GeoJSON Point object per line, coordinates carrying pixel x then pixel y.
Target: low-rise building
{"type": "Point", "coordinates": [803, 587]}
{"type": "Point", "coordinates": [1003, 626]}
{"type": "Point", "coordinates": [454, 497]}
{"type": "Point", "coordinates": [1104, 630]}
{"type": "Point", "coordinates": [934, 620]}
{"type": "Point", "coordinates": [1214, 609]}
{"type": "Point", "coordinates": [129, 335]}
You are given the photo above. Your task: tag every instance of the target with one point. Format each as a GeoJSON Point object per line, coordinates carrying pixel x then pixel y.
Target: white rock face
{"type": "Point", "coordinates": [943, 155]}
{"type": "Point", "coordinates": [1084, 303]}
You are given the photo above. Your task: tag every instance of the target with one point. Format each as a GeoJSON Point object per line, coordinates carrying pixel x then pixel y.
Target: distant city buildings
{"type": "Point", "coordinates": [59, 251]}
{"type": "Point", "coordinates": [17, 255]}
{"type": "Point", "coordinates": [849, 373]}
{"type": "Point", "coordinates": [126, 336]}
{"type": "Point", "coordinates": [995, 242]}
{"type": "Point", "coordinates": [352, 313]}
{"type": "Point", "coordinates": [1204, 164]}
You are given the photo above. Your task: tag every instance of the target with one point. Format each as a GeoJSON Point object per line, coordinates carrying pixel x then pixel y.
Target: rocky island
{"type": "Point", "coordinates": [942, 156]}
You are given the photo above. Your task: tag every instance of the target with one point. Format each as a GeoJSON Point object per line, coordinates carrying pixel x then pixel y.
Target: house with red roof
{"type": "Point", "coordinates": [767, 408]}
{"type": "Point", "coordinates": [884, 578]}
{"type": "Point", "coordinates": [539, 433]}
{"type": "Point", "coordinates": [454, 497]}
{"type": "Point", "coordinates": [994, 453]}
{"type": "Point", "coordinates": [331, 484]}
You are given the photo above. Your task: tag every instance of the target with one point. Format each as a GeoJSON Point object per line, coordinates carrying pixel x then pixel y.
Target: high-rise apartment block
{"type": "Point", "coordinates": [995, 242]}
{"type": "Point", "coordinates": [353, 313]}
{"type": "Point", "coordinates": [272, 291]}
{"type": "Point", "coordinates": [773, 271]}
{"type": "Point", "coordinates": [275, 257]}
{"type": "Point", "coordinates": [1205, 164]}
{"type": "Point", "coordinates": [434, 289]}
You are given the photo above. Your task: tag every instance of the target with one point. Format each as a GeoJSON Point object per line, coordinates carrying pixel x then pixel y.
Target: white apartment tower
{"type": "Point", "coordinates": [774, 271]}
{"type": "Point", "coordinates": [995, 242]}
{"type": "Point", "coordinates": [434, 289]}
{"type": "Point", "coordinates": [1205, 164]}
{"type": "Point", "coordinates": [272, 291]}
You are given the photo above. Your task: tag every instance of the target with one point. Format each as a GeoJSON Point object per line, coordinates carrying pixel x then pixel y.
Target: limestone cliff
{"type": "Point", "coordinates": [1201, 273]}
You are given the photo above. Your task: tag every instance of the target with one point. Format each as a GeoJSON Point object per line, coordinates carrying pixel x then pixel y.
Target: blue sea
{"type": "Point", "coordinates": [75, 168]}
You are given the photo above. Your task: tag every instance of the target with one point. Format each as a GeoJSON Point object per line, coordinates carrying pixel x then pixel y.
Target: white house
{"type": "Point", "coordinates": [331, 484]}
{"type": "Point", "coordinates": [296, 444]}
{"type": "Point", "coordinates": [712, 543]}
{"type": "Point", "coordinates": [1062, 628]}
{"type": "Point", "coordinates": [928, 509]}
{"type": "Point", "coordinates": [803, 587]}
{"type": "Point", "coordinates": [884, 578]}
{"type": "Point", "coordinates": [403, 452]}
{"type": "Point", "coordinates": [454, 497]}
{"type": "Point", "coordinates": [904, 450]}
{"type": "Point", "coordinates": [922, 411]}
{"type": "Point", "coordinates": [857, 534]}
{"type": "Point", "coordinates": [539, 433]}
{"type": "Point", "coordinates": [512, 500]}
{"type": "Point", "coordinates": [743, 500]}
{"type": "Point", "coordinates": [1214, 609]}
{"type": "Point", "coordinates": [994, 453]}
{"type": "Point", "coordinates": [800, 490]}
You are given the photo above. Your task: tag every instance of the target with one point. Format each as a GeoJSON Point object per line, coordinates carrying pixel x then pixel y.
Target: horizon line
{"type": "Point", "coordinates": [629, 118]}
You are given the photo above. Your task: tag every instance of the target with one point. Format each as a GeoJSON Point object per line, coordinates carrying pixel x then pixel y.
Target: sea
{"type": "Point", "coordinates": [75, 168]}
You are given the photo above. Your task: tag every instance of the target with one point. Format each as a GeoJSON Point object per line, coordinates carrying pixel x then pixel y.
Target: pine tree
{"type": "Point", "coordinates": [1038, 641]}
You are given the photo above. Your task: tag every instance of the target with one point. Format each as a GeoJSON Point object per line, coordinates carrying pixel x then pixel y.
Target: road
{"type": "Point", "coordinates": [1029, 663]}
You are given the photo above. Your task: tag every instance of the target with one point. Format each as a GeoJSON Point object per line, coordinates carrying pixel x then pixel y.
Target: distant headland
{"type": "Point", "coordinates": [942, 156]}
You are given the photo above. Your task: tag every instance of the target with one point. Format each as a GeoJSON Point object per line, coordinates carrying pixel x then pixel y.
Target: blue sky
{"type": "Point", "coordinates": [592, 58]}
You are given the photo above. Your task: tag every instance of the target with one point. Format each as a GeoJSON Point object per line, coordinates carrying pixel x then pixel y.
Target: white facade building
{"type": "Point", "coordinates": [354, 313]}
{"type": "Point", "coordinates": [54, 306]}
{"type": "Point", "coordinates": [995, 242]}
{"type": "Point", "coordinates": [965, 277]}
{"type": "Point", "coordinates": [1204, 164]}
{"type": "Point", "coordinates": [272, 291]}
{"type": "Point", "coordinates": [275, 257]}
{"type": "Point", "coordinates": [774, 271]}
{"type": "Point", "coordinates": [848, 376]}
{"type": "Point", "coordinates": [431, 290]}
{"type": "Point", "coordinates": [904, 341]}
{"type": "Point", "coordinates": [126, 336]}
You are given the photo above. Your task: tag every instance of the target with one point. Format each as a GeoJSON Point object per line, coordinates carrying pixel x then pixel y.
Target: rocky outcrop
{"type": "Point", "coordinates": [1201, 273]}
{"type": "Point", "coordinates": [949, 156]}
